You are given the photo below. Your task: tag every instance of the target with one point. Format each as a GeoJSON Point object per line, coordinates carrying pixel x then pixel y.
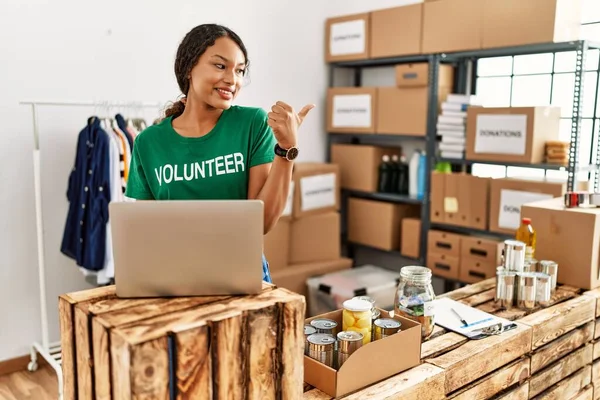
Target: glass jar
{"type": "Point", "coordinates": [357, 316]}
{"type": "Point", "coordinates": [414, 298]}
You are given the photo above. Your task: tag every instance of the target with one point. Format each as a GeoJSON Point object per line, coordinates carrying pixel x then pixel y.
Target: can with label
{"type": "Point", "coordinates": [376, 315]}
{"type": "Point", "coordinates": [348, 343]}
{"type": "Point", "coordinates": [308, 330]}
{"type": "Point", "coordinates": [321, 347]}
{"type": "Point", "coordinates": [325, 325]}
{"type": "Point", "coordinates": [385, 327]}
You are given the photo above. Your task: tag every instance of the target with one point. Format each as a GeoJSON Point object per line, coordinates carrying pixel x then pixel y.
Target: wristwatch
{"type": "Point", "coordinates": [289, 154]}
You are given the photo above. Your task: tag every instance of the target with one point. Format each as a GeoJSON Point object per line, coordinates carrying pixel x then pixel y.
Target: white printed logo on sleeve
{"type": "Point", "coordinates": [352, 111]}
{"type": "Point", "coordinates": [501, 134]}
{"type": "Point", "coordinates": [510, 206]}
{"type": "Point", "coordinates": [317, 191]}
{"type": "Point", "coordinates": [347, 38]}
{"type": "Point", "coordinates": [289, 202]}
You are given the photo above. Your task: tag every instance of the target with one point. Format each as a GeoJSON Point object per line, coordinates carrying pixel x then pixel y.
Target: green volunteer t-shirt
{"type": "Point", "coordinates": [168, 166]}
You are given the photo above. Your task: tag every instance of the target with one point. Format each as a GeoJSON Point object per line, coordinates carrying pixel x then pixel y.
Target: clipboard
{"type": "Point", "coordinates": [469, 321]}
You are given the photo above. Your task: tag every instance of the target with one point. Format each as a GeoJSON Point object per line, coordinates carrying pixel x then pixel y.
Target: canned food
{"type": "Point", "coordinates": [308, 330]}
{"type": "Point", "coordinates": [357, 316]}
{"type": "Point", "coordinates": [376, 315]}
{"type": "Point", "coordinates": [385, 327]}
{"type": "Point", "coordinates": [325, 325]}
{"type": "Point", "coordinates": [321, 348]}
{"type": "Point", "coordinates": [348, 343]}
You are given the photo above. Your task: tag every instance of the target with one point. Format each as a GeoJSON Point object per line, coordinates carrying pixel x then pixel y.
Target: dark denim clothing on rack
{"type": "Point", "coordinates": [122, 124]}
{"type": "Point", "coordinates": [88, 193]}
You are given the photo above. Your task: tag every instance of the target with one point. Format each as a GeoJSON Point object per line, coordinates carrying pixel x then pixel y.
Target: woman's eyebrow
{"type": "Point", "coordinates": [225, 59]}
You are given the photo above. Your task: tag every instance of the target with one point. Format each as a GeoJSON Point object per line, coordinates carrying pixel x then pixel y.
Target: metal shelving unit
{"type": "Point", "coordinates": [465, 64]}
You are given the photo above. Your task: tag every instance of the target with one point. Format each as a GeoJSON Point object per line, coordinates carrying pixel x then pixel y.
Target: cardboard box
{"type": "Point", "coordinates": [443, 265]}
{"type": "Point", "coordinates": [377, 223]}
{"type": "Point", "coordinates": [452, 25]}
{"type": "Point", "coordinates": [410, 244]}
{"type": "Point", "coordinates": [359, 164]}
{"type": "Point", "coordinates": [277, 245]}
{"type": "Point", "coordinates": [437, 193]}
{"type": "Point", "coordinates": [347, 37]}
{"type": "Point", "coordinates": [404, 24]}
{"type": "Point", "coordinates": [355, 374]}
{"type": "Point", "coordinates": [294, 278]}
{"type": "Point", "coordinates": [507, 196]}
{"type": "Point", "coordinates": [452, 207]}
{"type": "Point", "coordinates": [474, 201]}
{"type": "Point", "coordinates": [479, 258]}
{"type": "Point", "coordinates": [351, 109]}
{"type": "Point", "coordinates": [516, 22]}
{"type": "Point", "coordinates": [417, 75]}
{"type": "Point", "coordinates": [316, 188]}
{"type": "Point", "coordinates": [511, 134]}
{"type": "Point", "coordinates": [570, 237]}
{"type": "Point", "coordinates": [315, 238]}
{"type": "Point", "coordinates": [444, 243]}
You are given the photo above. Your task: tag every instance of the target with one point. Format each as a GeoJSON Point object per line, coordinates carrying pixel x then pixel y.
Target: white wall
{"type": "Point", "coordinates": [122, 51]}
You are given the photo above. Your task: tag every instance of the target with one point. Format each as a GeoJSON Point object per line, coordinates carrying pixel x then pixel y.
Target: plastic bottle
{"type": "Point", "coordinates": [421, 175]}
{"type": "Point", "coordinates": [527, 235]}
{"type": "Point", "coordinates": [413, 170]}
{"type": "Point", "coordinates": [402, 187]}
{"type": "Point", "coordinates": [384, 174]}
{"type": "Point", "coordinates": [394, 174]}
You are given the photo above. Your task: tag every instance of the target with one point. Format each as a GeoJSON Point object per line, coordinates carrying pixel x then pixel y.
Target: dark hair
{"type": "Point", "coordinates": [193, 45]}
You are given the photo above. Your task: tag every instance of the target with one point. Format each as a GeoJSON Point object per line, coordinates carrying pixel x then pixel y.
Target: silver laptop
{"type": "Point", "coordinates": [187, 247]}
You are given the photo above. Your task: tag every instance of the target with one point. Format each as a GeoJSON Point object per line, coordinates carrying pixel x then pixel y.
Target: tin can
{"type": "Point", "coordinates": [595, 199]}
{"type": "Point", "coordinates": [550, 268]}
{"type": "Point", "coordinates": [506, 282]}
{"type": "Point", "coordinates": [543, 289]}
{"type": "Point", "coordinates": [376, 315]}
{"type": "Point", "coordinates": [325, 325]}
{"type": "Point", "coordinates": [514, 255]}
{"type": "Point", "coordinates": [531, 265]}
{"type": "Point", "coordinates": [348, 343]}
{"type": "Point", "coordinates": [527, 292]}
{"type": "Point", "coordinates": [321, 347]}
{"type": "Point", "coordinates": [385, 327]}
{"type": "Point", "coordinates": [308, 330]}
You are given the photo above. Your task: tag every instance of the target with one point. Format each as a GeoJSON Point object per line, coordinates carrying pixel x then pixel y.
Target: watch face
{"type": "Point", "coordinates": [292, 153]}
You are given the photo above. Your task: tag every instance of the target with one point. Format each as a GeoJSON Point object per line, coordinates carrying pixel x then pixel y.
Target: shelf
{"type": "Point", "coordinates": [518, 50]}
{"type": "Point", "coordinates": [377, 136]}
{"type": "Point", "coordinates": [382, 62]}
{"type": "Point", "coordinates": [391, 252]}
{"type": "Point", "coordinates": [501, 163]}
{"type": "Point", "coordinates": [391, 197]}
{"type": "Point", "coordinates": [470, 231]}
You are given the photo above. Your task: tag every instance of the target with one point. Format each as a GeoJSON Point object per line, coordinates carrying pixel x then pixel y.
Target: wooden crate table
{"type": "Point", "coordinates": [182, 348]}
{"type": "Point", "coordinates": [554, 353]}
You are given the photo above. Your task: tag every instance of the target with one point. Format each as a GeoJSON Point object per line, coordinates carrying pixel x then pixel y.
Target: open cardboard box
{"type": "Point", "coordinates": [385, 357]}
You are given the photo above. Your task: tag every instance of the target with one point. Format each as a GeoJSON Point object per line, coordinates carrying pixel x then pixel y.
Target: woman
{"type": "Point", "coordinates": [207, 148]}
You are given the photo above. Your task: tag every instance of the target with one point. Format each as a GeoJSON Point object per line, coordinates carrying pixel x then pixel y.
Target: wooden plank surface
{"type": "Point", "coordinates": [596, 379]}
{"type": "Point", "coordinates": [560, 370]}
{"type": "Point", "coordinates": [569, 387]}
{"type": "Point", "coordinates": [498, 381]}
{"type": "Point", "coordinates": [315, 394]}
{"type": "Point", "coordinates": [595, 293]}
{"type": "Point", "coordinates": [85, 388]}
{"type": "Point", "coordinates": [550, 323]}
{"type": "Point", "coordinates": [67, 343]}
{"type": "Point", "coordinates": [560, 347]}
{"type": "Point", "coordinates": [441, 344]}
{"type": "Point", "coordinates": [193, 363]}
{"type": "Point", "coordinates": [229, 367]}
{"type": "Point", "coordinates": [586, 393]}
{"type": "Point", "coordinates": [480, 298]}
{"type": "Point", "coordinates": [292, 354]}
{"type": "Point", "coordinates": [470, 290]}
{"type": "Point", "coordinates": [477, 358]}
{"type": "Point", "coordinates": [518, 393]}
{"type": "Point", "coordinates": [263, 344]}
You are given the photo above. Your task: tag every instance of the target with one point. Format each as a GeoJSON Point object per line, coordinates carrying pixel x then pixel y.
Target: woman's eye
{"type": "Point", "coordinates": [241, 71]}
{"type": "Point", "coordinates": [220, 66]}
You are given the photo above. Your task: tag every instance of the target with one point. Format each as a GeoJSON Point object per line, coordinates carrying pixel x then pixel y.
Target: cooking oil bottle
{"type": "Point", "coordinates": [527, 235]}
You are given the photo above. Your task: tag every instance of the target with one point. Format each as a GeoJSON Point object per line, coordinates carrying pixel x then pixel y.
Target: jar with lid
{"type": "Point", "coordinates": [357, 316]}
{"type": "Point", "coordinates": [414, 297]}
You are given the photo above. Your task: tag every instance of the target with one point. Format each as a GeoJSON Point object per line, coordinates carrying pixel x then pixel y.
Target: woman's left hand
{"type": "Point", "coordinates": [285, 123]}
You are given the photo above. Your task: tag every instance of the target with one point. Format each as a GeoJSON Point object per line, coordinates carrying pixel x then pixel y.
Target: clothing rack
{"type": "Point", "coordinates": [51, 352]}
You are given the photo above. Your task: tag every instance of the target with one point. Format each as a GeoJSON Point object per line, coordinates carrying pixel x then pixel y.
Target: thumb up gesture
{"type": "Point", "coordinates": [285, 123]}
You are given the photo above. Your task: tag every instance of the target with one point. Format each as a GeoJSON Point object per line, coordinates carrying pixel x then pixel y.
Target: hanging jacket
{"type": "Point", "coordinates": [88, 193]}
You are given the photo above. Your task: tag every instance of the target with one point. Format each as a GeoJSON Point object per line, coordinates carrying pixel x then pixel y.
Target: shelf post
{"type": "Point", "coordinates": [573, 166]}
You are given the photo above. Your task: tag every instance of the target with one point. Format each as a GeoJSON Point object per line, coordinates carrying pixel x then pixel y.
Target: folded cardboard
{"type": "Point", "coordinates": [511, 134]}
{"type": "Point", "coordinates": [347, 37]}
{"type": "Point", "coordinates": [316, 188]}
{"type": "Point", "coordinates": [369, 364]}
{"type": "Point", "coordinates": [441, 242]}
{"type": "Point", "coordinates": [277, 245]}
{"type": "Point", "coordinates": [443, 265]}
{"type": "Point", "coordinates": [417, 75]}
{"type": "Point", "coordinates": [294, 278]}
{"type": "Point", "coordinates": [351, 109]}
{"type": "Point", "coordinates": [359, 164]}
{"type": "Point", "coordinates": [570, 237]}
{"type": "Point", "coordinates": [452, 25]}
{"type": "Point", "coordinates": [479, 258]}
{"type": "Point", "coordinates": [315, 238]}
{"type": "Point", "coordinates": [508, 195]}
{"type": "Point", "coordinates": [410, 242]}
{"type": "Point", "coordinates": [518, 22]}
{"type": "Point", "coordinates": [377, 223]}
{"type": "Point", "coordinates": [474, 201]}
{"type": "Point", "coordinates": [404, 24]}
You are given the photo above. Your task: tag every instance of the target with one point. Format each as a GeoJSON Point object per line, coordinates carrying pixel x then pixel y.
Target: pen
{"type": "Point", "coordinates": [459, 317]}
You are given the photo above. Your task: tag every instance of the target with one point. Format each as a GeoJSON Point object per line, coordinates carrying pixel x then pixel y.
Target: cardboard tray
{"type": "Point", "coordinates": [369, 364]}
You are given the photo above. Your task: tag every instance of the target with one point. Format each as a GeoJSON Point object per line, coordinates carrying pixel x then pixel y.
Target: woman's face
{"type": "Point", "coordinates": [217, 77]}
